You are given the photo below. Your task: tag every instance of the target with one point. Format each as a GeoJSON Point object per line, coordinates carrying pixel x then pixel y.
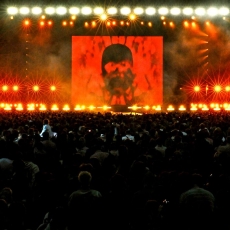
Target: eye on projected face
{"type": "Point", "coordinates": [122, 66]}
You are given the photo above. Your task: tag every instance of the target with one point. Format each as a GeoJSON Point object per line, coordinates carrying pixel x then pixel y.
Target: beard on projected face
{"type": "Point", "coordinates": [119, 88]}
{"type": "Point", "coordinates": [118, 75]}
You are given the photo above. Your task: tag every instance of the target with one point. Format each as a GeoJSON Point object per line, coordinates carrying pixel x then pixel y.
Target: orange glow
{"type": "Point", "coordinates": [54, 107]}
{"type": "Point", "coordinates": [50, 23]}
{"type": "Point", "coordinates": [105, 107]}
{"type": "Point", "coordinates": [108, 23]}
{"type": "Point", "coordinates": [35, 88]}
{"type": "Point", "coordinates": [42, 107]}
{"type": "Point", "coordinates": [64, 23]}
{"type": "Point", "coordinates": [127, 23]}
{"type": "Point", "coordinates": [132, 16]}
{"type": "Point", "coordinates": [91, 107]}
{"type": "Point", "coordinates": [114, 23]}
{"type": "Point", "coordinates": [157, 108]}
{"type": "Point", "coordinates": [26, 22]}
{"type": "Point", "coordinates": [170, 108]}
{"type": "Point", "coordinates": [134, 107]}
{"type": "Point", "coordinates": [66, 107]}
{"type": "Point", "coordinates": [42, 23]}
{"type": "Point", "coordinates": [79, 107]}
{"type": "Point", "coordinates": [53, 88]}
{"type": "Point", "coordinates": [193, 107]}
{"type": "Point", "coordinates": [15, 88]}
{"type": "Point", "coordinates": [142, 23]}
{"type": "Point", "coordinates": [197, 88]}
{"type": "Point", "coordinates": [164, 23]}
{"type": "Point", "coordinates": [146, 107]}
{"type": "Point", "coordinates": [217, 88]}
{"type": "Point", "coordinates": [93, 23]}
{"type": "Point", "coordinates": [150, 24]}
{"type": "Point", "coordinates": [71, 23]}
{"type": "Point", "coordinates": [186, 24]}
{"type": "Point", "coordinates": [7, 107]}
{"type": "Point", "coordinates": [86, 24]}
{"type": "Point", "coordinates": [194, 25]}
{"type": "Point", "coordinates": [5, 88]}
{"type": "Point", "coordinates": [182, 108]}
{"type": "Point", "coordinates": [171, 24]}
{"type": "Point", "coordinates": [227, 88]}
{"type": "Point", "coordinates": [19, 107]}
{"type": "Point", "coordinates": [122, 23]}
{"type": "Point", "coordinates": [31, 107]}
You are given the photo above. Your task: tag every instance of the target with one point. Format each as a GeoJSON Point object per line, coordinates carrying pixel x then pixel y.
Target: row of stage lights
{"type": "Point", "coordinates": [36, 88]}
{"type": "Point", "coordinates": [16, 88]}
{"type": "Point", "coordinates": [215, 88]}
{"type": "Point", "coordinates": [86, 10]}
{"type": "Point", "coordinates": [66, 107]}
{"type": "Point", "coordinates": [108, 23]}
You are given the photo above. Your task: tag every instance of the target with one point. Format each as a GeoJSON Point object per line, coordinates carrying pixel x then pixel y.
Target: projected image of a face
{"type": "Point", "coordinates": [117, 71]}
{"type": "Point", "coordinates": [118, 76]}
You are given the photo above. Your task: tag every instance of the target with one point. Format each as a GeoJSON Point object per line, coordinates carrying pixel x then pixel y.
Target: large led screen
{"type": "Point", "coordinates": [117, 70]}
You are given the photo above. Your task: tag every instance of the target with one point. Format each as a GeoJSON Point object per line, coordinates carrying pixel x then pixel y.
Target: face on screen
{"type": "Point", "coordinates": [119, 77]}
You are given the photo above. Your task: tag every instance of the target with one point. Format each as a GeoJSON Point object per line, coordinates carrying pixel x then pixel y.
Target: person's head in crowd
{"type": "Point", "coordinates": [6, 194]}
{"type": "Point", "coordinates": [46, 121]}
{"type": "Point", "coordinates": [86, 167]}
{"type": "Point", "coordinates": [84, 178]}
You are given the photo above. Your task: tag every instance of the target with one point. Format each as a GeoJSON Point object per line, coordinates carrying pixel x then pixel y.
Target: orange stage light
{"type": "Point", "coordinates": [15, 88]}
{"type": "Point", "coordinates": [54, 107]}
{"type": "Point", "coordinates": [42, 23]}
{"type": "Point", "coordinates": [50, 23]}
{"type": "Point", "coordinates": [197, 88]}
{"type": "Point", "coordinates": [5, 88]}
{"type": "Point", "coordinates": [35, 88]}
{"type": "Point", "coordinates": [217, 88]}
{"type": "Point", "coordinates": [26, 22]}
{"type": "Point", "coordinates": [53, 88]}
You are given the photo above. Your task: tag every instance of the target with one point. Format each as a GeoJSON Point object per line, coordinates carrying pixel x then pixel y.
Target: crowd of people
{"type": "Point", "coordinates": [79, 170]}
